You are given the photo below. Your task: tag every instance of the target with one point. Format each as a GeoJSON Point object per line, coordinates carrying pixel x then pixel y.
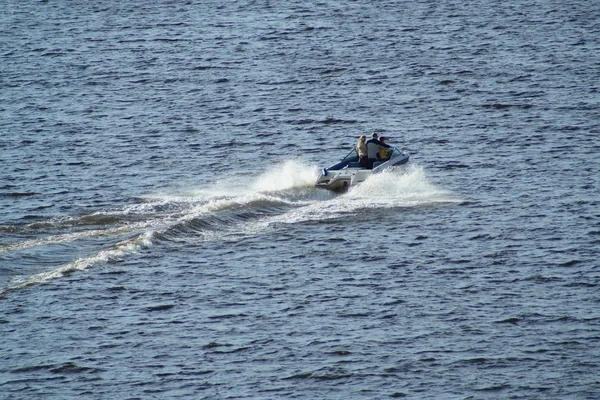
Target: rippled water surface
{"type": "Point", "coordinates": [160, 235]}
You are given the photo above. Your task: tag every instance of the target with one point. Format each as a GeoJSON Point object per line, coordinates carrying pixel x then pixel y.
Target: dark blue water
{"type": "Point", "coordinates": [160, 235]}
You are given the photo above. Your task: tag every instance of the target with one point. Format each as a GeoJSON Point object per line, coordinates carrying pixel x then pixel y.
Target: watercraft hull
{"type": "Point", "coordinates": [348, 172]}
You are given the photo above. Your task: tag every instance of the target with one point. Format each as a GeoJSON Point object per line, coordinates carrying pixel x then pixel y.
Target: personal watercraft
{"type": "Point", "coordinates": [349, 172]}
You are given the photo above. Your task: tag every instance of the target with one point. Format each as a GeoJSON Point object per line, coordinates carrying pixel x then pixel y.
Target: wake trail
{"type": "Point", "coordinates": [237, 207]}
{"type": "Point", "coordinates": [274, 190]}
{"type": "Point", "coordinates": [119, 250]}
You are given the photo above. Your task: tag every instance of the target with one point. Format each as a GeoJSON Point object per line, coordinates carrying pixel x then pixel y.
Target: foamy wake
{"type": "Point", "coordinates": [292, 174]}
{"type": "Point", "coordinates": [401, 187]}
{"type": "Point", "coordinates": [70, 237]}
{"type": "Point", "coordinates": [234, 193]}
{"type": "Point", "coordinates": [118, 251]}
{"type": "Point", "coordinates": [406, 187]}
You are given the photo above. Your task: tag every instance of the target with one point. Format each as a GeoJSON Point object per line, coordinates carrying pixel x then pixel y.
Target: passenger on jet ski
{"type": "Point", "coordinates": [384, 149]}
{"type": "Point", "coordinates": [374, 146]}
{"type": "Point", "coordinates": [361, 149]}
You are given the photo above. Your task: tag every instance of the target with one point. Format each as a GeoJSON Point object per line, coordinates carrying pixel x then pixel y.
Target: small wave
{"type": "Point", "coordinates": [70, 237]}
{"type": "Point", "coordinates": [126, 215]}
{"type": "Point", "coordinates": [502, 106]}
{"type": "Point", "coordinates": [118, 251]}
{"type": "Point", "coordinates": [18, 194]}
{"type": "Point", "coordinates": [250, 201]}
{"type": "Point", "coordinates": [218, 217]}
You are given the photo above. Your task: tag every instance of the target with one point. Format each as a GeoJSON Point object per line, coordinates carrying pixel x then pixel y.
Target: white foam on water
{"type": "Point", "coordinates": [291, 174]}
{"type": "Point", "coordinates": [407, 186]}
{"type": "Point", "coordinates": [71, 237]}
{"type": "Point", "coordinates": [118, 251]}
{"type": "Point", "coordinates": [223, 195]}
{"type": "Point", "coordinates": [404, 187]}
{"type": "Point", "coordinates": [270, 187]}
{"type": "Point", "coordinates": [243, 188]}
{"type": "Point", "coordinates": [233, 193]}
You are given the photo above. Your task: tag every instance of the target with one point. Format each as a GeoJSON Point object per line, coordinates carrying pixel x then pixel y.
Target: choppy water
{"type": "Point", "coordinates": [160, 236]}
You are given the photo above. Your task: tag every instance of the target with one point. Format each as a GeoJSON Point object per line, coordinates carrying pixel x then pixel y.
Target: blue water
{"type": "Point", "coordinates": [161, 237]}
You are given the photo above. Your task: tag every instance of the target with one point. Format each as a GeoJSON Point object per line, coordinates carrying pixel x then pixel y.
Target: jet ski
{"type": "Point", "coordinates": [349, 172]}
